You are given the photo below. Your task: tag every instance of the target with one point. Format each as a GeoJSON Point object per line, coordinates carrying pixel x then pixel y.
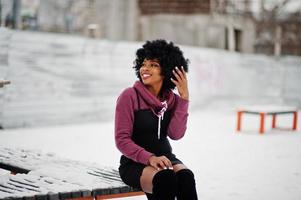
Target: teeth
{"type": "Point", "coordinates": [145, 75]}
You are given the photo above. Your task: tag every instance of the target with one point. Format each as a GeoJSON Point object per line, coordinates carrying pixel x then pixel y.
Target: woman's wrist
{"type": "Point", "coordinates": [149, 159]}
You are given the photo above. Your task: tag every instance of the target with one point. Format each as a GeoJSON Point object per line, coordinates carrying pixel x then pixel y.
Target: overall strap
{"type": "Point", "coordinates": [138, 99]}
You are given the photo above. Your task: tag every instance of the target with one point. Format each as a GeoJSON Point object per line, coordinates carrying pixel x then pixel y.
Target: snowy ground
{"type": "Point", "coordinates": [227, 165]}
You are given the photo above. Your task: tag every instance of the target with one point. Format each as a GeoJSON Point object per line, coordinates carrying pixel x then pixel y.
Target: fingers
{"type": "Point", "coordinates": [167, 163]}
{"type": "Point", "coordinates": [164, 163]}
{"type": "Point", "coordinates": [161, 163]}
{"type": "Point", "coordinates": [182, 72]}
{"type": "Point", "coordinates": [181, 82]}
{"type": "Point", "coordinates": [174, 81]}
{"type": "Point", "coordinates": [175, 73]}
{"type": "Point", "coordinates": [179, 74]}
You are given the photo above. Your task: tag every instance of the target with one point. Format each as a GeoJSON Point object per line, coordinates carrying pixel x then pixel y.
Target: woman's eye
{"type": "Point", "coordinates": [152, 65]}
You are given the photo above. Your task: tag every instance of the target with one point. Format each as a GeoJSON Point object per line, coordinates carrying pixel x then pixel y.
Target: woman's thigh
{"type": "Point", "coordinates": [146, 179]}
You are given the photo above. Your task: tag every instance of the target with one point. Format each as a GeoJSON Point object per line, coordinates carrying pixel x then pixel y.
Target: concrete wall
{"type": "Point", "coordinates": [59, 79]}
{"type": "Point", "coordinates": [5, 38]}
{"type": "Point", "coordinates": [223, 79]}
{"type": "Point", "coordinates": [186, 23]}
{"type": "Point", "coordinates": [231, 23]}
{"type": "Point", "coordinates": [115, 19]}
{"type": "Point", "coordinates": [212, 31]}
{"type": "Point", "coordinates": [183, 29]}
{"type": "Point", "coordinates": [6, 8]}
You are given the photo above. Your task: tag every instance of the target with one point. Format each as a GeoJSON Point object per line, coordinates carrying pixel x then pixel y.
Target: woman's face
{"type": "Point", "coordinates": [150, 73]}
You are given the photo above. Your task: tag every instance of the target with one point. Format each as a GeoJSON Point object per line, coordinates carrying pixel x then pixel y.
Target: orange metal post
{"type": "Point", "coordinates": [239, 114]}
{"type": "Point", "coordinates": [295, 120]}
{"type": "Point", "coordinates": [261, 128]}
{"type": "Point", "coordinates": [274, 121]}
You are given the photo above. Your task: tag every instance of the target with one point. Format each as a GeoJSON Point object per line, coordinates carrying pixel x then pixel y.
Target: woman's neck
{"type": "Point", "coordinates": [155, 90]}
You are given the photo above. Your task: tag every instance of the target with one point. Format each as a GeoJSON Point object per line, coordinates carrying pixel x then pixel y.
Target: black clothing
{"type": "Point", "coordinates": [164, 185]}
{"type": "Point", "coordinates": [145, 135]}
{"type": "Point", "coordinates": [186, 185]}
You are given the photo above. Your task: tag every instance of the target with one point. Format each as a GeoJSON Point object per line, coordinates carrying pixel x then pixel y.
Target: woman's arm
{"type": "Point", "coordinates": [124, 120]}
{"type": "Point", "coordinates": [178, 123]}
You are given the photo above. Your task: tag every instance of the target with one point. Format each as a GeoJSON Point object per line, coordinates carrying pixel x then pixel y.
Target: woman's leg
{"type": "Point", "coordinates": [178, 167]}
{"type": "Point", "coordinates": [159, 184]}
{"type": "Point", "coordinates": [186, 183]}
{"type": "Point", "coordinates": [146, 179]}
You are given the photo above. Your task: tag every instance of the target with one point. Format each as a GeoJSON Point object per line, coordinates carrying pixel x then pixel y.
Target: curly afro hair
{"type": "Point", "coordinates": [168, 55]}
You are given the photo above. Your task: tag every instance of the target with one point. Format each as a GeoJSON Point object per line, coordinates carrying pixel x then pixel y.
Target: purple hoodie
{"type": "Point", "coordinates": [127, 104]}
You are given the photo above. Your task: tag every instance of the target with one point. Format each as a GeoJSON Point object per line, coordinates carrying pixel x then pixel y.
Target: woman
{"type": "Point", "coordinates": [146, 114]}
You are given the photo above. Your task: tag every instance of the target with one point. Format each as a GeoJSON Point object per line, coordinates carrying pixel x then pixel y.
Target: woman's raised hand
{"type": "Point", "coordinates": [160, 162]}
{"type": "Point", "coordinates": [181, 82]}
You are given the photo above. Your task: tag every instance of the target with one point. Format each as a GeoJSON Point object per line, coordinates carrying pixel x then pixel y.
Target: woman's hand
{"type": "Point", "coordinates": [160, 162]}
{"type": "Point", "coordinates": [181, 82]}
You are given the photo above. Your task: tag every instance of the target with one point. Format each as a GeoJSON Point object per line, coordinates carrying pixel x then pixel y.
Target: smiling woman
{"type": "Point", "coordinates": [146, 115]}
{"type": "Point", "coordinates": [150, 73]}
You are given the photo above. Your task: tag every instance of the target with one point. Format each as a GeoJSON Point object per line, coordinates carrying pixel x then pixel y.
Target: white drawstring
{"type": "Point", "coordinates": [159, 127]}
{"type": "Point", "coordinates": [160, 115]}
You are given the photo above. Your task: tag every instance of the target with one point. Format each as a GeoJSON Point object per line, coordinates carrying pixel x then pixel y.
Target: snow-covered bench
{"type": "Point", "coordinates": [263, 110]}
{"type": "Point", "coordinates": [32, 175]}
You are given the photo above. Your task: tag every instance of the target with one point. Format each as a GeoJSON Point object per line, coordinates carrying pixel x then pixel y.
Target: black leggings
{"type": "Point", "coordinates": [131, 171]}
{"type": "Point", "coordinates": [167, 185]}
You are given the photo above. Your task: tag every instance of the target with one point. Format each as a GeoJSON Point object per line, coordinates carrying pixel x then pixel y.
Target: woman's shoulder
{"type": "Point", "coordinates": [127, 95]}
{"type": "Point", "coordinates": [128, 92]}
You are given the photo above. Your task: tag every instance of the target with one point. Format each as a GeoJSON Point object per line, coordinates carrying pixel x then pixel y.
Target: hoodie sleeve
{"type": "Point", "coordinates": [178, 122]}
{"type": "Point", "coordinates": [124, 120]}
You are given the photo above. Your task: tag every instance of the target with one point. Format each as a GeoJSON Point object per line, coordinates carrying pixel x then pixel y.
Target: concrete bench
{"type": "Point", "coordinates": [36, 176]}
{"type": "Point", "coordinates": [265, 110]}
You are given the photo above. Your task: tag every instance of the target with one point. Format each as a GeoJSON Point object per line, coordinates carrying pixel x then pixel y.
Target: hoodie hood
{"type": "Point", "coordinates": [155, 104]}
{"type": "Point", "coordinates": [153, 101]}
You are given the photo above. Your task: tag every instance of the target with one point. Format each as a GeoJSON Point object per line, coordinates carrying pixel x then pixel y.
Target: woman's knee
{"type": "Point", "coordinates": [165, 184]}
{"type": "Point", "coordinates": [165, 178]}
{"type": "Point", "coordinates": [186, 185]}
{"type": "Point", "coordinates": [185, 175]}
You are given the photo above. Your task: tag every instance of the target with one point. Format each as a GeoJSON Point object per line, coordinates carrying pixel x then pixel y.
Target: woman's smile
{"type": "Point", "coordinates": [145, 76]}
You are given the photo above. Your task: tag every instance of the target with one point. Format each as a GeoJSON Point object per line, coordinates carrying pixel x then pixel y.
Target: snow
{"type": "Point", "coordinates": [4, 172]}
{"type": "Point", "coordinates": [49, 173]}
{"type": "Point", "coordinates": [227, 164]}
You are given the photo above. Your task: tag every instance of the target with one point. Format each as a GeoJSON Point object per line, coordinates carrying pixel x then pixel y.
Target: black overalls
{"type": "Point", "coordinates": [145, 134]}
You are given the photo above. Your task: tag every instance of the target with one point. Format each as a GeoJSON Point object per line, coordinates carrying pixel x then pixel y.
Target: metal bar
{"type": "Point", "coordinates": [239, 115]}
{"type": "Point", "coordinates": [261, 128]}
{"type": "Point", "coordinates": [274, 121]}
{"type": "Point", "coordinates": [295, 120]}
